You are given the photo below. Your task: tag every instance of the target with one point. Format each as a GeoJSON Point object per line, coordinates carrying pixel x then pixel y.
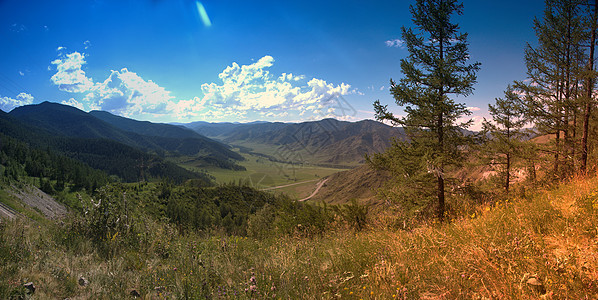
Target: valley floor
{"type": "Point", "coordinates": [541, 245]}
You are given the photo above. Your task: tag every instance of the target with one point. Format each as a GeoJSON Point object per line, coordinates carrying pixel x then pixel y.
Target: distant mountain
{"type": "Point", "coordinates": [145, 127]}
{"type": "Point", "coordinates": [221, 131]}
{"type": "Point", "coordinates": [64, 120]}
{"type": "Point", "coordinates": [115, 158]}
{"type": "Point", "coordinates": [69, 121]}
{"type": "Point", "coordinates": [327, 141]}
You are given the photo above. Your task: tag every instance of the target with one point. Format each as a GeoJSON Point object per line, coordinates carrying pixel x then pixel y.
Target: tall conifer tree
{"type": "Point", "coordinates": [554, 69]}
{"type": "Point", "coordinates": [437, 67]}
{"type": "Point", "coordinates": [505, 133]}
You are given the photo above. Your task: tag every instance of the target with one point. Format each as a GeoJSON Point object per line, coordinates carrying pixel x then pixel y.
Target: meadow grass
{"type": "Point", "coordinates": [263, 173]}
{"type": "Point", "coordinates": [490, 253]}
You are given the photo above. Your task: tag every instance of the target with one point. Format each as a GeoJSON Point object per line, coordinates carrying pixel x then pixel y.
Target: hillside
{"type": "Point", "coordinates": [541, 245]}
{"type": "Point", "coordinates": [328, 141]}
{"type": "Point", "coordinates": [360, 183]}
{"type": "Point", "coordinates": [54, 154]}
{"type": "Point", "coordinates": [145, 127]}
{"type": "Point", "coordinates": [68, 121]}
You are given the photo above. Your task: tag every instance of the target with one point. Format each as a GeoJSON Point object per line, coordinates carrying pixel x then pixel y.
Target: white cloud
{"type": "Point", "coordinates": [244, 91]}
{"type": "Point", "coordinates": [74, 103]}
{"type": "Point", "coordinates": [186, 109]}
{"type": "Point", "coordinates": [395, 43]}
{"type": "Point", "coordinates": [477, 123]}
{"type": "Point", "coordinates": [87, 44]}
{"type": "Point", "coordinates": [7, 104]}
{"type": "Point", "coordinates": [473, 108]}
{"type": "Point", "coordinates": [60, 48]}
{"type": "Point", "coordinates": [251, 88]}
{"type": "Point", "coordinates": [21, 73]}
{"type": "Point", "coordinates": [69, 76]}
{"type": "Point", "coordinates": [126, 93]}
{"type": "Point", "coordinates": [123, 92]}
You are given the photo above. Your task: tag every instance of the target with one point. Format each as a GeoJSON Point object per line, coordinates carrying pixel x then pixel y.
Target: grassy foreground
{"type": "Point", "coordinates": [544, 245]}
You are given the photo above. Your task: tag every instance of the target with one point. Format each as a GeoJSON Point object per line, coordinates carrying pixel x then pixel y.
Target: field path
{"type": "Point", "coordinates": [286, 185]}
{"type": "Point", "coordinates": [316, 191]}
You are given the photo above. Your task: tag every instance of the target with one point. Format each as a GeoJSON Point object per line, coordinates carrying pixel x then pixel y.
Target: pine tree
{"type": "Point", "coordinates": [554, 68]}
{"type": "Point", "coordinates": [505, 133]}
{"type": "Point", "coordinates": [435, 68]}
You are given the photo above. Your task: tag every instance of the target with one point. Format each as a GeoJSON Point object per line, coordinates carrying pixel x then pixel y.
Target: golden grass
{"type": "Point", "coordinates": [490, 254]}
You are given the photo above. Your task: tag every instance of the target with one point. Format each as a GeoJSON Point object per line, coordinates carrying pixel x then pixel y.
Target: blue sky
{"type": "Point", "coordinates": [159, 60]}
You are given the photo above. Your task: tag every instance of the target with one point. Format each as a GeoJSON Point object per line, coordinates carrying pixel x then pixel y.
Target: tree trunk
{"type": "Point", "coordinates": [440, 129]}
{"type": "Point", "coordinates": [508, 175]}
{"type": "Point", "coordinates": [557, 142]}
{"type": "Point", "coordinates": [440, 174]}
{"type": "Point", "coordinates": [589, 88]}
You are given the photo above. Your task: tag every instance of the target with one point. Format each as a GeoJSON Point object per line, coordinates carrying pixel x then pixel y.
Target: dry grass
{"type": "Point", "coordinates": [490, 254]}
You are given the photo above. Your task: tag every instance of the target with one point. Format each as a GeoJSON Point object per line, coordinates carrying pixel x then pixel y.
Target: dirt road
{"type": "Point", "coordinates": [286, 185]}
{"type": "Point", "coordinates": [316, 191]}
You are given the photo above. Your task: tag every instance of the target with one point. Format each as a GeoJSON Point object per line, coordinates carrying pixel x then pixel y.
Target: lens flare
{"type": "Point", "coordinates": [203, 14]}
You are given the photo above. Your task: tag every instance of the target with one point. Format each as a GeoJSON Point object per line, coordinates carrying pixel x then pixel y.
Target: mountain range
{"type": "Point", "coordinates": [327, 141]}
{"type": "Point", "coordinates": [134, 149]}
{"type": "Point", "coordinates": [129, 149]}
{"type": "Point", "coordinates": [69, 121]}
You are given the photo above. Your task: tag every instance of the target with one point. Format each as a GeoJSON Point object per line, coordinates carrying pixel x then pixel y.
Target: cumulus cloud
{"type": "Point", "coordinates": [126, 93]}
{"type": "Point", "coordinates": [473, 108]}
{"type": "Point", "coordinates": [251, 88]}
{"type": "Point", "coordinates": [186, 109]}
{"type": "Point", "coordinates": [123, 92]}
{"type": "Point", "coordinates": [395, 43]}
{"type": "Point", "coordinates": [69, 76]}
{"type": "Point", "coordinates": [242, 90]}
{"type": "Point", "coordinates": [7, 104]}
{"type": "Point", "coordinates": [74, 103]}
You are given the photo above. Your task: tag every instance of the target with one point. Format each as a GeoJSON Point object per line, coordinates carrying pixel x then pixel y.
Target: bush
{"type": "Point", "coordinates": [107, 221]}
{"type": "Point", "coordinates": [354, 214]}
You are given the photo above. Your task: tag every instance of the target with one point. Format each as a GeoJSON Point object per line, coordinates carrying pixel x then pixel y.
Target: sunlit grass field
{"type": "Point", "coordinates": [263, 173]}
{"type": "Point", "coordinates": [543, 244]}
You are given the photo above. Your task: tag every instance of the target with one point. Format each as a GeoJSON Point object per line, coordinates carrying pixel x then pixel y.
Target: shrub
{"type": "Point", "coordinates": [354, 214]}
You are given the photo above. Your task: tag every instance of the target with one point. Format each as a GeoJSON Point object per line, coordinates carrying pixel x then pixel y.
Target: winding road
{"type": "Point", "coordinates": [316, 191]}
{"type": "Point", "coordinates": [286, 185]}
{"type": "Point", "coordinates": [302, 182]}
